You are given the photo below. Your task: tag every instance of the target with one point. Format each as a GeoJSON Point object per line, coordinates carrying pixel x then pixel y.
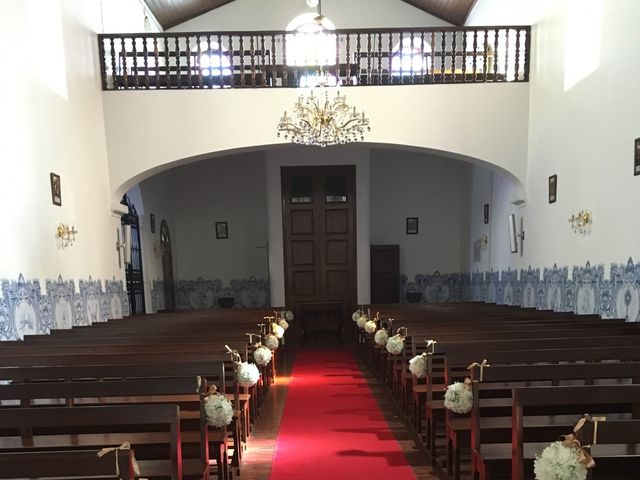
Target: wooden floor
{"type": "Point", "coordinates": [257, 461]}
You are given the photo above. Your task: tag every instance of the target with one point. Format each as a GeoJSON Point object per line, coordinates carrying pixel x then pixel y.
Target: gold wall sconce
{"type": "Point", "coordinates": [484, 241]}
{"type": "Point", "coordinates": [581, 222]}
{"type": "Point", "coordinates": [65, 235]}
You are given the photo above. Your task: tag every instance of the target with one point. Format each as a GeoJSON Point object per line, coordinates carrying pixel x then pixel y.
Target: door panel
{"type": "Point", "coordinates": [319, 227]}
{"type": "Point", "coordinates": [385, 274]}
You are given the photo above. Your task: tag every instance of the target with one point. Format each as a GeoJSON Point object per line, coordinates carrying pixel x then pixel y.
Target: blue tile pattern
{"type": "Point", "coordinates": [26, 310]}
{"type": "Point", "coordinates": [587, 291]}
{"type": "Point", "coordinates": [201, 294]}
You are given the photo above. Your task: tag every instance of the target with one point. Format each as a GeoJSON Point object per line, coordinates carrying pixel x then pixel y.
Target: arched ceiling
{"type": "Point", "coordinates": [170, 13]}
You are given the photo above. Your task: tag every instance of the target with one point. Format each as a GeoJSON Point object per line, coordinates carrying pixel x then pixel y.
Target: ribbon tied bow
{"type": "Point", "coordinates": [126, 446]}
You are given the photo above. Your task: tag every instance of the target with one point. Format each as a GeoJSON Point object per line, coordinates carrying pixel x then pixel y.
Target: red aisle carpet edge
{"type": "Point", "coordinates": [332, 426]}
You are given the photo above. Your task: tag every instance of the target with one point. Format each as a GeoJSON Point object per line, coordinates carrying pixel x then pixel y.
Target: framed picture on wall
{"type": "Point", "coordinates": [152, 221]}
{"type": "Point", "coordinates": [636, 157]}
{"type": "Point", "coordinates": [222, 231]}
{"type": "Point", "coordinates": [412, 225]}
{"type": "Point", "coordinates": [553, 188]}
{"type": "Point", "coordinates": [56, 192]}
{"type": "Point", "coordinates": [486, 213]}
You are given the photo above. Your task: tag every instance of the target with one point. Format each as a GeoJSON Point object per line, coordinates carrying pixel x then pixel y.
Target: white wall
{"type": "Point", "coordinates": [582, 123]}
{"type": "Point", "coordinates": [51, 120]}
{"type": "Point", "coordinates": [436, 190]}
{"type": "Point", "coordinates": [156, 199]}
{"type": "Point", "coordinates": [487, 122]}
{"type": "Point", "coordinates": [481, 183]}
{"type": "Point", "coordinates": [127, 16]}
{"type": "Point", "coordinates": [276, 14]}
{"type": "Point", "coordinates": [508, 12]}
{"type": "Point", "coordinates": [229, 189]}
{"type": "Point", "coordinates": [295, 155]}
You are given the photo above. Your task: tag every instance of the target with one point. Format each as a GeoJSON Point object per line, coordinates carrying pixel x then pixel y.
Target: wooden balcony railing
{"type": "Point", "coordinates": [289, 59]}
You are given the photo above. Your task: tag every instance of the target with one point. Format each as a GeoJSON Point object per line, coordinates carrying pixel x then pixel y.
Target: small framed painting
{"type": "Point", "coordinates": [412, 225]}
{"type": "Point", "coordinates": [553, 188]}
{"type": "Point", "coordinates": [152, 221]}
{"type": "Point", "coordinates": [636, 157]}
{"type": "Point", "coordinates": [222, 231]}
{"type": "Point", "coordinates": [486, 213]}
{"type": "Point", "coordinates": [56, 192]}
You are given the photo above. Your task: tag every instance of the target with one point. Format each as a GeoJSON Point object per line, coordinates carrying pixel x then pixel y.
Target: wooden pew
{"type": "Point", "coordinates": [494, 396]}
{"type": "Point", "coordinates": [106, 417]}
{"type": "Point", "coordinates": [149, 384]}
{"type": "Point", "coordinates": [620, 448]}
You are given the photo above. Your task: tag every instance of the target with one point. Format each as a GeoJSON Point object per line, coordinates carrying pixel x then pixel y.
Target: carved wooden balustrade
{"type": "Point", "coordinates": [353, 57]}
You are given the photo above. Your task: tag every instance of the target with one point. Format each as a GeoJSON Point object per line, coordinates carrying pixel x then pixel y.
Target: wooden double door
{"type": "Point", "coordinates": [319, 227]}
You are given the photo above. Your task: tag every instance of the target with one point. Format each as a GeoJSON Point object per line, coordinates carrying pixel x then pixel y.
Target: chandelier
{"type": "Point", "coordinates": [318, 120]}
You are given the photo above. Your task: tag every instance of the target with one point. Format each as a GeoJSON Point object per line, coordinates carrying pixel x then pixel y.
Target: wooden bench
{"type": "Point", "coordinates": [17, 449]}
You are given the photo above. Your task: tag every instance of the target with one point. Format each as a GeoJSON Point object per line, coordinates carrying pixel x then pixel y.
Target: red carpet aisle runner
{"type": "Point", "coordinates": [332, 428]}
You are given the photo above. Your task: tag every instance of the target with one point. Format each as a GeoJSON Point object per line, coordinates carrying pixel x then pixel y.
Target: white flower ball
{"type": "Point", "coordinates": [458, 398]}
{"type": "Point", "coordinates": [288, 315]}
{"type": "Point", "coordinates": [395, 345]}
{"type": "Point", "coordinates": [277, 330]}
{"type": "Point", "coordinates": [283, 323]}
{"type": "Point", "coordinates": [356, 315]}
{"type": "Point", "coordinates": [370, 326]}
{"type": "Point", "coordinates": [262, 355]}
{"type": "Point", "coordinates": [219, 410]}
{"type": "Point", "coordinates": [557, 462]}
{"type": "Point", "coordinates": [418, 366]}
{"type": "Point", "coordinates": [381, 337]}
{"type": "Point", "coordinates": [362, 320]}
{"type": "Point", "coordinates": [271, 342]}
{"type": "Point", "coordinates": [248, 374]}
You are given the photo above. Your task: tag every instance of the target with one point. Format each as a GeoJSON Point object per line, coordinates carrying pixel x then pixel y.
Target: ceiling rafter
{"type": "Point", "coordinates": [452, 11]}
{"type": "Point", "coordinates": [170, 13]}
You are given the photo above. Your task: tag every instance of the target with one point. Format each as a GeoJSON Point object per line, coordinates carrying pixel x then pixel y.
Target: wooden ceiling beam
{"type": "Point", "coordinates": [170, 13]}
{"type": "Point", "coordinates": [452, 11]}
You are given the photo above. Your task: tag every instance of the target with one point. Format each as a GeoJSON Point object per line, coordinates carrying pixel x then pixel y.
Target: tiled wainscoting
{"type": "Point", "coordinates": [204, 294]}
{"type": "Point", "coordinates": [25, 309]}
{"type": "Point", "coordinates": [586, 291]}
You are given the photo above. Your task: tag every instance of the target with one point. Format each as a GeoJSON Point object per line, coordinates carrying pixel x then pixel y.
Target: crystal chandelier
{"type": "Point", "coordinates": [318, 120]}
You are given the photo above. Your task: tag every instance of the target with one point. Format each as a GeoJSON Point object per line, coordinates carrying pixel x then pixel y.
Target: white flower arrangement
{"type": "Point", "coordinates": [458, 398]}
{"type": "Point", "coordinates": [248, 374]}
{"type": "Point", "coordinates": [288, 315]}
{"type": "Point", "coordinates": [559, 462]}
{"type": "Point", "coordinates": [284, 324]}
{"type": "Point", "coordinates": [370, 327]}
{"type": "Point", "coordinates": [277, 330]}
{"type": "Point", "coordinates": [218, 409]}
{"type": "Point", "coordinates": [262, 355]}
{"type": "Point", "coordinates": [362, 320]}
{"type": "Point", "coordinates": [418, 366]}
{"type": "Point", "coordinates": [381, 337]}
{"type": "Point", "coordinates": [356, 315]}
{"type": "Point", "coordinates": [271, 342]}
{"type": "Point", "coordinates": [395, 344]}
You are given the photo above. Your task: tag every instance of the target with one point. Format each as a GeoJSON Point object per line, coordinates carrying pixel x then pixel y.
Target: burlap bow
{"type": "Point", "coordinates": [571, 441]}
{"type": "Point", "coordinates": [235, 356]}
{"type": "Point", "coordinates": [126, 446]}
{"type": "Point", "coordinates": [402, 331]}
{"type": "Point", "coordinates": [481, 365]}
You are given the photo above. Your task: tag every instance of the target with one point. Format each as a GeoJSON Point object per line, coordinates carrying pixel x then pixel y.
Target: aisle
{"type": "Point", "coordinates": [332, 426]}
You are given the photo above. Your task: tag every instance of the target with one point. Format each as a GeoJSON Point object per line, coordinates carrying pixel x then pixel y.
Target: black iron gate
{"type": "Point", "coordinates": [133, 270]}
